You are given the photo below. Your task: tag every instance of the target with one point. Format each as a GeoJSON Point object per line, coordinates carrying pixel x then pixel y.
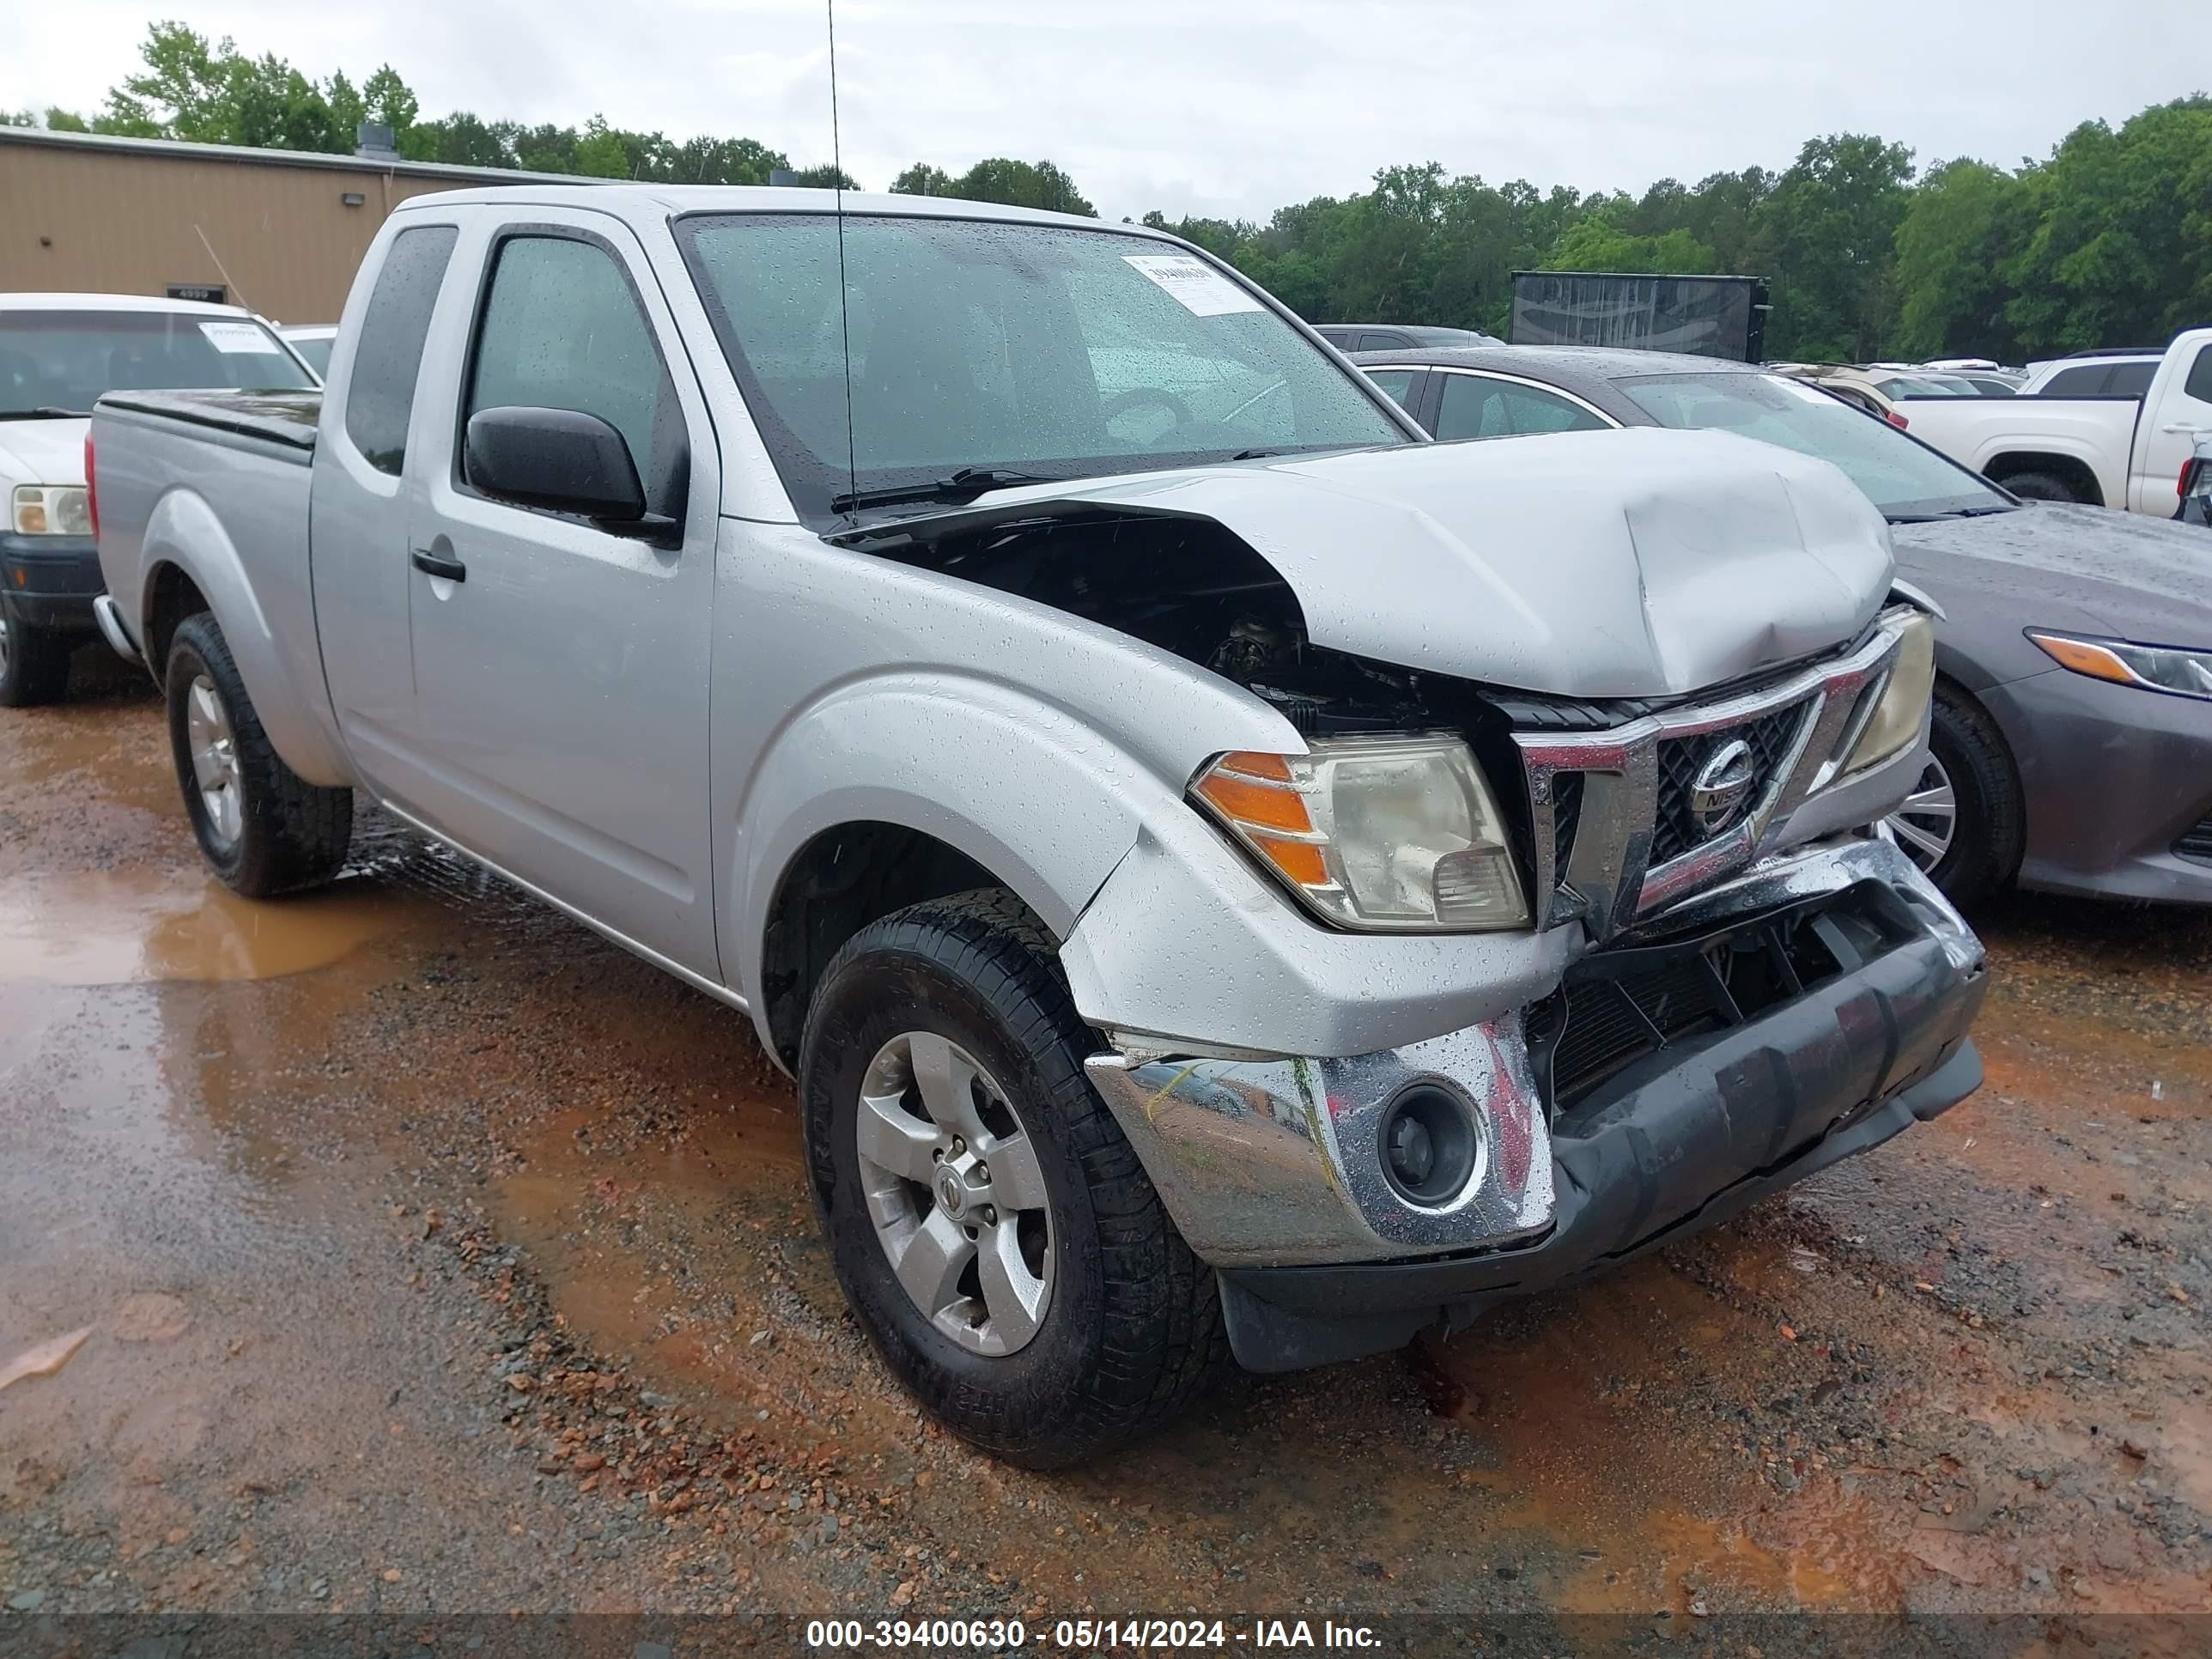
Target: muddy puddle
{"type": "Point", "coordinates": [1967, 1372]}
{"type": "Point", "coordinates": [124, 927]}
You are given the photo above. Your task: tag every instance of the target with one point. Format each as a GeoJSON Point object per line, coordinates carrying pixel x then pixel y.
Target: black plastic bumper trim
{"type": "Point", "coordinates": [1752, 1110]}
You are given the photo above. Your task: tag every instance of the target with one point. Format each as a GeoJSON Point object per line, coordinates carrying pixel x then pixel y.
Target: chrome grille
{"type": "Point", "coordinates": [1611, 833]}
{"type": "Point", "coordinates": [1676, 829]}
{"type": "Point", "coordinates": [2196, 842]}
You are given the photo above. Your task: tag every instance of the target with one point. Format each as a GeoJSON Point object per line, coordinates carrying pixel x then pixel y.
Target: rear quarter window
{"type": "Point", "coordinates": [380, 397]}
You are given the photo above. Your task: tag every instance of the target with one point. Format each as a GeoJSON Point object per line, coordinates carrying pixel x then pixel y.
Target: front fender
{"type": "Point", "coordinates": [1042, 800]}
{"type": "Point", "coordinates": [283, 677]}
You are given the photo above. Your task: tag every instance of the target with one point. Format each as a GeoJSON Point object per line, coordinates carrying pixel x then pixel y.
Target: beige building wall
{"type": "Point", "coordinates": [281, 238]}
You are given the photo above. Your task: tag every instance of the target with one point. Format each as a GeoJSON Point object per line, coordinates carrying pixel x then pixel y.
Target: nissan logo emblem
{"type": "Point", "coordinates": [1721, 786]}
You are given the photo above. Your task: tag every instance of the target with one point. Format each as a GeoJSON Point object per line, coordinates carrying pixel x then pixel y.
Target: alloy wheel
{"type": "Point", "coordinates": [956, 1193]}
{"type": "Point", "coordinates": [215, 760]}
{"type": "Point", "coordinates": [1927, 821]}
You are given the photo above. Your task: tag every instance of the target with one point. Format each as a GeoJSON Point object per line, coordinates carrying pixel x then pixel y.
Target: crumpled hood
{"type": "Point", "coordinates": [2058, 565]}
{"type": "Point", "coordinates": [1633, 563]}
{"type": "Point", "coordinates": [47, 451]}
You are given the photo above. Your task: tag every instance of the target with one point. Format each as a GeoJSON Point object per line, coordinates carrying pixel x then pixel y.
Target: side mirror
{"type": "Point", "coordinates": [560, 460]}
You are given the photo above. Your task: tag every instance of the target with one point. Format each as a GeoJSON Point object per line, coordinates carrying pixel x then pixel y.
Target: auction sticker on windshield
{"type": "Point", "coordinates": [1198, 287]}
{"type": "Point", "coordinates": [241, 338]}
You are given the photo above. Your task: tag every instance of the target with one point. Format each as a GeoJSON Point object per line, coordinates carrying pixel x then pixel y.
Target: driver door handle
{"type": "Point", "coordinates": [433, 564]}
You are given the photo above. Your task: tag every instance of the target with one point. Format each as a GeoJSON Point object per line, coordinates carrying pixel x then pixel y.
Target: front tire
{"type": "Point", "coordinates": [34, 662]}
{"type": "Point", "coordinates": [1075, 1319]}
{"type": "Point", "coordinates": [1964, 822]}
{"type": "Point", "coordinates": [263, 828]}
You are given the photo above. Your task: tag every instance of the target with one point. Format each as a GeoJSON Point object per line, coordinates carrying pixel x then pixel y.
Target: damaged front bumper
{"type": "Point", "coordinates": [1805, 1011]}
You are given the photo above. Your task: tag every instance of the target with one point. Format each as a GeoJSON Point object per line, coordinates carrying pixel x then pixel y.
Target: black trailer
{"type": "Point", "coordinates": [1705, 316]}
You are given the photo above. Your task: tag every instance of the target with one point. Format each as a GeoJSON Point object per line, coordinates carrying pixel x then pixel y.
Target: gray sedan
{"type": "Point", "coordinates": [2072, 743]}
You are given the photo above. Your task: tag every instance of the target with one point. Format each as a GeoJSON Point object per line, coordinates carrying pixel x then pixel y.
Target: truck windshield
{"type": "Point", "coordinates": [983, 351]}
{"type": "Point", "coordinates": [1908, 481]}
{"type": "Point", "coordinates": [59, 363]}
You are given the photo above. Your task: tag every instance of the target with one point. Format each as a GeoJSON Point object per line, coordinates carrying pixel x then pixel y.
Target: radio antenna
{"type": "Point", "coordinates": [844, 294]}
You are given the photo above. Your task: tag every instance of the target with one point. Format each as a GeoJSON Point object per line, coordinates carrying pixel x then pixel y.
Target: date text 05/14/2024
{"type": "Point", "coordinates": [1088, 1635]}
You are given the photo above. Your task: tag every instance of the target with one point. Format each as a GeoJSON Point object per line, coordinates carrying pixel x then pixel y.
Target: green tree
{"type": "Point", "coordinates": [923, 179]}
{"type": "Point", "coordinates": [601, 152]}
{"type": "Point", "coordinates": [347, 107]}
{"type": "Point", "coordinates": [725, 161]}
{"type": "Point", "coordinates": [2121, 249]}
{"type": "Point", "coordinates": [1827, 234]}
{"type": "Point", "coordinates": [180, 95]}
{"type": "Point", "coordinates": [998, 179]}
{"type": "Point", "coordinates": [1964, 224]}
{"type": "Point", "coordinates": [1597, 244]}
{"type": "Point", "coordinates": [388, 99]}
{"type": "Point", "coordinates": [460, 140]}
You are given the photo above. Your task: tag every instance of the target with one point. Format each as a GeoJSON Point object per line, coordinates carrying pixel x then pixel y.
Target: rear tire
{"type": "Point", "coordinates": [263, 828]}
{"type": "Point", "coordinates": [1130, 1329]}
{"type": "Point", "coordinates": [34, 662]}
{"type": "Point", "coordinates": [2041, 487]}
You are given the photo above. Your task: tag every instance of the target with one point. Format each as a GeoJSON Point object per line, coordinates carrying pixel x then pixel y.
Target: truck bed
{"type": "Point", "coordinates": [216, 488]}
{"type": "Point", "coordinates": [2099, 433]}
{"type": "Point", "coordinates": [284, 417]}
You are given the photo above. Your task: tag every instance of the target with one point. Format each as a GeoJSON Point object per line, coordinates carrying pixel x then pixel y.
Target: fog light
{"type": "Point", "coordinates": [1428, 1145]}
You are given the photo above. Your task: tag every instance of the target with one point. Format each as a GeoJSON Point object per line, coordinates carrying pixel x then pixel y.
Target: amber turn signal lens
{"type": "Point", "coordinates": [1262, 806]}
{"type": "Point", "coordinates": [1299, 860]}
{"type": "Point", "coordinates": [2083, 658]}
{"type": "Point", "coordinates": [1276, 769]}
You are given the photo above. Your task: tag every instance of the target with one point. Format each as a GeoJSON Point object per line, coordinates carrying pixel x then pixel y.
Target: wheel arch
{"type": "Point", "coordinates": [2073, 470]}
{"type": "Point", "coordinates": [189, 561]}
{"type": "Point", "coordinates": [844, 877]}
{"type": "Point", "coordinates": [938, 783]}
{"type": "Point", "coordinates": [1950, 687]}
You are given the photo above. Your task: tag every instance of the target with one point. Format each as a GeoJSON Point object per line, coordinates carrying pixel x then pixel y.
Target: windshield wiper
{"type": "Point", "coordinates": [1954, 512]}
{"type": "Point", "coordinates": [964, 485]}
{"type": "Point", "coordinates": [45, 412]}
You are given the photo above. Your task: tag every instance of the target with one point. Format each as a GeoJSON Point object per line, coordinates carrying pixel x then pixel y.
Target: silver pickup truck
{"type": "Point", "coordinates": [1226, 873]}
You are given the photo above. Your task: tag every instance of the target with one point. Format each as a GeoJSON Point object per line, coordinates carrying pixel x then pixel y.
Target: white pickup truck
{"type": "Point", "coordinates": [2107, 452]}
{"type": "Point", "coordinates": [1224, 870]}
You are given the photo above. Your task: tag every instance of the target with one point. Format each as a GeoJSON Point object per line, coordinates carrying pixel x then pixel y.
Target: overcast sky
{"type": "Point", "coordinates": [1228, 107]}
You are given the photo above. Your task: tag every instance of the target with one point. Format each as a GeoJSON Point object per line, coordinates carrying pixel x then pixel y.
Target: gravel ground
{"type": "Point", "coordinates": [439, 1259]}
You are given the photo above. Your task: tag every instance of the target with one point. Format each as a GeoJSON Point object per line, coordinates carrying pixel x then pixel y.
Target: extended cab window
{"type": "Point", "coordinates": [2132, 379]}
{"type": "Point", "coordinates": [562, 328]}
{"type": "Point", "coordinates": [1042, 349]}
{"type": "Point", "coordinates": [1474, 407]}
{"type": "Point", "coordinates": [2086, 381]}
{"type": "Point", "coordinates": [380, 397]}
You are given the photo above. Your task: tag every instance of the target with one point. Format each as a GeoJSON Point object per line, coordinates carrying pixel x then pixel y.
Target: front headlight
{"type": "Point", "coordinates": [51, 510]}
{"type": "Point", "coordinates": [2156, 667]}
{"type": "Point", "coordinates": [1385, 834]}
{"type": "Point", "coordinates": [1897, 718]}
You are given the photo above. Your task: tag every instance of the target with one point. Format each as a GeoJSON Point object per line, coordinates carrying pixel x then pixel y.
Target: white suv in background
{"type": "Point", "coordinates": [58, 353]}
{"type": "Point", "coordinates": [2117, 373]}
